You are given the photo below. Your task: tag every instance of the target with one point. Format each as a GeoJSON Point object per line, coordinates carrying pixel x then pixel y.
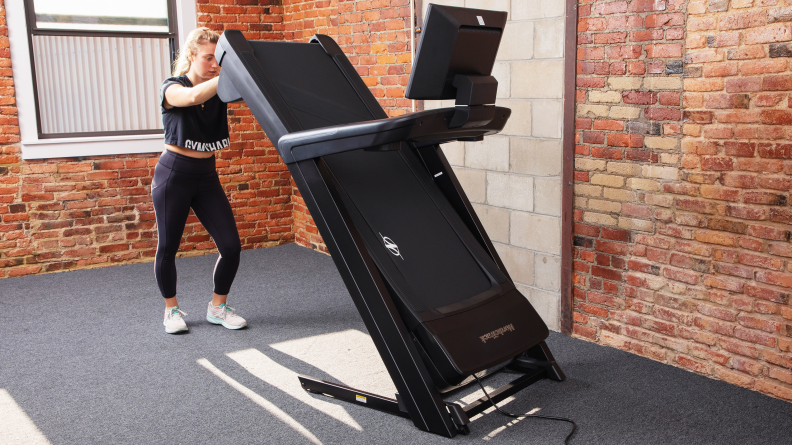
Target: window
{"type": "Point", "coordinates": [97, 65]}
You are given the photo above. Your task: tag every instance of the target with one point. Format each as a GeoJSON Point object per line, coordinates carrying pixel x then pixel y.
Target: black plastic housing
{"type": "Point", "coordinates": [454, 41]}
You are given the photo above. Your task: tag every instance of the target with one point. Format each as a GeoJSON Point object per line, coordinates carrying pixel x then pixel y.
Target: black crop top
{"type": "Point", "coordinates": [200, 127]}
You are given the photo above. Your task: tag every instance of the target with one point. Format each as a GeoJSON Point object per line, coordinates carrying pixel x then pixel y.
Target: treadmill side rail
{"type": "Point", "coordinates": [310, 144]}
{"type": "Point", "coordinates": [421, 128]}
{"type": "Point", "coordinates": [339, 57]}
{"type": "Point", "coordinates": [436, 162]}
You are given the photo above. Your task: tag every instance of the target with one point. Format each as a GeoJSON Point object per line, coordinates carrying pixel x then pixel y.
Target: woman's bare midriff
{"type": "Point", "coordinates": [189, 152]}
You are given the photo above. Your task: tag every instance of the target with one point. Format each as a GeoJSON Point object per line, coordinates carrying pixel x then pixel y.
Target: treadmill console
{"type": "Point", "coordinates": [454, 60]}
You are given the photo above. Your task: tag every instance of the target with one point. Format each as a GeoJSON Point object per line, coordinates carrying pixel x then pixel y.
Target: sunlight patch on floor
{"type": "Point", "coordinates": [472, 397]}
{"type": "Point", "coordinates": [283, 378]}
{"type": "Point", "coordinates": [16, 428]}
{"type": "Point", "coordinates": [260, 401]}
{"type": "Point", "coordinates": [349, 357]}
{"type": "Point", "coordinates": [513, 422]}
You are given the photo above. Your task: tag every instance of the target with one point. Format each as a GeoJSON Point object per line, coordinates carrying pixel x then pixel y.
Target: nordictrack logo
{"type": "Point", "coordinates": [391, 246]}
{"type": "Point", "coordinates": [496, 333]}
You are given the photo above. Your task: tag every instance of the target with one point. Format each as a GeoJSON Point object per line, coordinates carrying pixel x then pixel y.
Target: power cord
{"type": "Point", "coordinates": [515, 416]}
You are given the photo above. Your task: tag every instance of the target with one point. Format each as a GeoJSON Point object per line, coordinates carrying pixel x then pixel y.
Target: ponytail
{"type": "Point", "coordinates": [195, 39]}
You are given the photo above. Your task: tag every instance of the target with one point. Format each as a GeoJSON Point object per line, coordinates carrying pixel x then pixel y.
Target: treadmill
{"type": "Point", "coordinates": [425, 277]}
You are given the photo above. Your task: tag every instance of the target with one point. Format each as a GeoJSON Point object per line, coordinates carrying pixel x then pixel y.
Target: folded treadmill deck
{"type": "Point", "coordinates": [420, 268]}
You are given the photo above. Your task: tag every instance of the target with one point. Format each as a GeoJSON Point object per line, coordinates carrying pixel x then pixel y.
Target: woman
{"type": "Point", "coordinates": [196, 125]}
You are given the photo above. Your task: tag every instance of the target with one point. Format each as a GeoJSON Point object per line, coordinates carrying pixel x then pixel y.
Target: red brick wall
{"type": "Point", "coordinates": [682, 220]}
{"type": "Point", "coordinates": [62, 214]}
{"type": "Point", "coordinates": [375, 36]}
{"type": "Point", "coordinates": [304, 18]}
{"type": "Point", "coordinates": [70, 213]}
{"type": "Point", "coordinates": [258, 19]}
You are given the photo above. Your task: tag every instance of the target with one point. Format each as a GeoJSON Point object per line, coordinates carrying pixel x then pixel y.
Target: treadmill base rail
{"type": "Point", "coordinates": [391, 406]}
{"type": "Point", "coordinates": [352, 395]}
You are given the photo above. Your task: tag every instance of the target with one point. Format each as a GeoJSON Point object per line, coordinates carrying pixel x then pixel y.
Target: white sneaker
{"type": "Point", "coordinates": [225, 316]}
{"type": "Point", "coordinates": [173, 320]}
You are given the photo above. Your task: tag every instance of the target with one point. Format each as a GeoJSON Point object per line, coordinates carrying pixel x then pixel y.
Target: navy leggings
{"type": "Point", "coordinates": [180, 183]}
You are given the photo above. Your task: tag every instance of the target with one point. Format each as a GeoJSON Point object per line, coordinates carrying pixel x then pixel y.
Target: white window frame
{"type": "Point", "coordinates": [35, 148]}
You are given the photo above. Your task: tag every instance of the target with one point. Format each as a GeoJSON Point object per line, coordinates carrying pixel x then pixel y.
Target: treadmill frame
{"type": "Point", "coordinates": [418, 398]}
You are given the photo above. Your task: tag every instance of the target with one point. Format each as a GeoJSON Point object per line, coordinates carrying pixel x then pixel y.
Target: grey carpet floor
{"type": "Point", "coordinates": [85, 356]}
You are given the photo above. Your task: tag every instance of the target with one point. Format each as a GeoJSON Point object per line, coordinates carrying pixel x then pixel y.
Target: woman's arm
{"type": "Point", "coordinates": [180, 96]}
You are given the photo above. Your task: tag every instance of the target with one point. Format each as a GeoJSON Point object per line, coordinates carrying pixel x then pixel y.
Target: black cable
{"type": "Point", "coordinates": [563, 419]}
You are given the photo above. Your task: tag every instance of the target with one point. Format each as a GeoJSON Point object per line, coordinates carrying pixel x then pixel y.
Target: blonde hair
{"type": "Point", "coordinates": [195, 39]}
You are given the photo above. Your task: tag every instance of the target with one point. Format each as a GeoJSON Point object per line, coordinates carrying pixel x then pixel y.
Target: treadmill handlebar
{"type": "Point", "coordinates": [421, 128]}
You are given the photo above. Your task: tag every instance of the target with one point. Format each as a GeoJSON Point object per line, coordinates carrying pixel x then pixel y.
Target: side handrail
{"type": "Point", "coordinates": [421, 128]}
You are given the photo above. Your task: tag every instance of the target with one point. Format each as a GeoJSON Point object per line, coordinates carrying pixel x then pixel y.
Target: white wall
{"type": "Point", "coordinates": [514, 179]}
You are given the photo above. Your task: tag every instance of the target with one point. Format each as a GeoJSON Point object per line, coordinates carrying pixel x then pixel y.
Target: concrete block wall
{"type": "Point", "coordinates": [514, 179]}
